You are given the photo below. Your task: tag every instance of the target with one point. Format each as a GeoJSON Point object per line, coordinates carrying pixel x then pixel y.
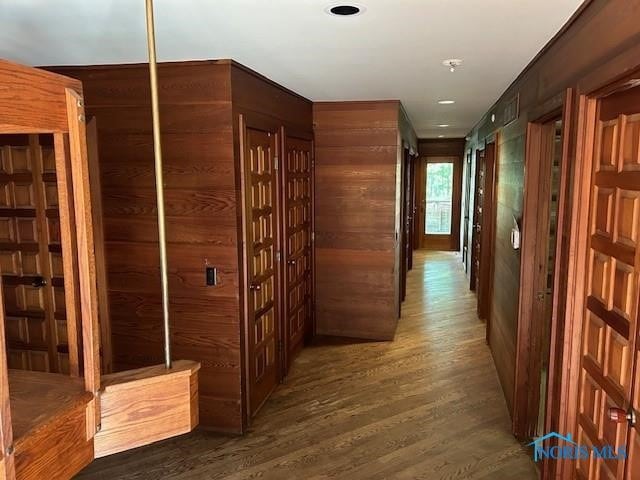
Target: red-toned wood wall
{"type": "Point", "coordinates": [199, 112]}
{"type": "Point", "coordinates": [359, 155]}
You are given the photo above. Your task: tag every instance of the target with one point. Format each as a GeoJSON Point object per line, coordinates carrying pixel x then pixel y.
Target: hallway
{"type": "Point", "coordinates": [427, 405]}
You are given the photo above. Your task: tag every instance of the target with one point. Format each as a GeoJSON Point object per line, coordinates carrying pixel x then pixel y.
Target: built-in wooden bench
{"type": "Point", "coordinates": [49, 419]}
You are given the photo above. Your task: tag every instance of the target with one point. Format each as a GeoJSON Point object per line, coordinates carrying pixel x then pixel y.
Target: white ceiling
{"type": "Point", "coordinates": [392, 51]}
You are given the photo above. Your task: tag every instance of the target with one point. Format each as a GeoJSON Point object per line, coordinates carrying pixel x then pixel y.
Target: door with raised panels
{"type": "Point", "coordinates": [298, 277]}
{"type": "Point", "coordinates": [261, 289]}
{"type": "Point", "coordinates": [608, 373]}
{"type": "Point", "coordinates": [30, 255]}
{"type": "Point", "coordinates": [476, 237]}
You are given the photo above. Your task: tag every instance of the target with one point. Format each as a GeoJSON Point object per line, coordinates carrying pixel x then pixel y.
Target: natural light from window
{"type": "Point", "coordinates": [439, 195]}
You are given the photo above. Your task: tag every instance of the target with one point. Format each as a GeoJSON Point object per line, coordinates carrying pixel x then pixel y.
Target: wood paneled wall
{"type": "Point", "coordinates": [199, 113]}
{"type": "Point", "coordinates": [603, 29]}
{"type": "Point", "coordinates": [359, 152]}
{"type": "Point", "coordinates": [441, 147]}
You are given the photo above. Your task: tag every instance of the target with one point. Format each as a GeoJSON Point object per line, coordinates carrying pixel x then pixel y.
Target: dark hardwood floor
{"type": "Point", "coordinates": [426, 406]}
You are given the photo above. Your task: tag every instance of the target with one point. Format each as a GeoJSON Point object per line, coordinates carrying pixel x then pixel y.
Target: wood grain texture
{"type": "Point", "coordinates": [7, 471]}
{"type": "Point", "coordinates": [142, 406]}
{"type": "Point", "coordinates": [364, 410]}
{"type": "Point", "coordinates": [359, 155]}
{"type": "Point", "coordinates": [32, 100]}
{"type": "Point", "coordinates": [49, 422]}
{"type": "Point", "coordinates": [199, 113]}
{"type": "Point", "coordinates": [574, 60]}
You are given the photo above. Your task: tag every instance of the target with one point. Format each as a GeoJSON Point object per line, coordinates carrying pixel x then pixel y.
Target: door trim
{"type": "Point", "coordinates": [451, 241]}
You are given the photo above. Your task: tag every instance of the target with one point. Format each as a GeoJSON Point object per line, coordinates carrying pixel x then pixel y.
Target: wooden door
{"type": "Point", "coordinates": [485, 263]}
{"type": "Point", "coordinates": [31, 257]}
{"type": "Point", "coordinates": [442, 203]}
{"type": "Point", "coordinates": [404, 223]}
{"type": "Point", "coordinates": [466, 208]}
{"type": "Point", "coordinates": [412, 211]}
{"type": "Point", "coordinates": [609, 341]}
{"type": "Point", "coordinates": [261, 287]}
{"type": "Point", "coordinates": [298, 213]}
{"type": "Point", "coordinates": [477, 220]}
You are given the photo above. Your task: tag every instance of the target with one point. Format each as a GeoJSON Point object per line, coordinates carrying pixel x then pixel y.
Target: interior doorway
{"type": "Point", "coordinates": [483, 229]}
{"type": "Point", "coordinates": [441, 195]}
{"type": "Point", "coordinates": [544, 183]}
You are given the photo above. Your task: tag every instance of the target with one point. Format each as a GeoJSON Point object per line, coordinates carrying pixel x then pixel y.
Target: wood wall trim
{"type": "Point", "coordinates": [101, 262]}
{"type": "Point", "coordinates": [85, 243]}
{"type": "Point", "coordinates": [6, 426]}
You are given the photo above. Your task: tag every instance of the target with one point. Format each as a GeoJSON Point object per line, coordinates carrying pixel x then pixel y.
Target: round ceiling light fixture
{"type": "Point", "coordinates": [345, 10]}
{"type": "Point", "coordinates": [443, 125]}
{"type": "Point", "coordinates": [452, 64]}
{"type": "Point", "coordinates": [446, 102]}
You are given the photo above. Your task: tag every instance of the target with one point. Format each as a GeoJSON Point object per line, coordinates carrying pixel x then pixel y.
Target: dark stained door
{"type": "Point", "coordinates": [466, 209]}
{"type": "Point", "coordinates": [30, 256]}
{"type": "Point", "coordinates": [486, 222]}
{"type": "Point", "coordinates": [298, 216]}
{"type": "Point", "coordinates": [476, 240]}
{"type": "Point", "coordinates": [609, 364]}
{"type": "Point", "coordinates": [260, 184]}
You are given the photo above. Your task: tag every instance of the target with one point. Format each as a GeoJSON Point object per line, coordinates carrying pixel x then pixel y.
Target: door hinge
{"type": "Point", "coordinates": [278, 255]}
{"type": "Point", "coordinates": [313, 236]}
{"type": "Point", "coordinates": [276, 160]}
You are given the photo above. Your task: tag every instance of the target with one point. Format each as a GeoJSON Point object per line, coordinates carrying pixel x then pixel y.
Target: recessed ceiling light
{"type": "Point", "coordinates": [440, 136]}
{"type": "Point", "coordinates": [452, 63]}
{"type": "Point", "coordinates": [446, 102]}
{"type": "Point", "coordinates": [443, 125]}
{"type": "Point", "coordinates": [344, 10]}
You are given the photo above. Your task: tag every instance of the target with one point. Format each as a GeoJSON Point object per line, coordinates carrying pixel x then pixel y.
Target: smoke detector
{"type": "Point", "coordinates": [452, 64]}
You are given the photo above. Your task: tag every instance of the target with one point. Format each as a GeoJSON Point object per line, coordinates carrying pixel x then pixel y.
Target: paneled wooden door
{"type": "Point", "coordinates": [31, 257]}
{"type": "Point", "coordinates": [260, 152]}
{"type": "Point", "coordinates": [297, 179]}
{"type": "Point", "coordinates": [476, 237]}
{"type": "Point", "coordinates": [609, 360]}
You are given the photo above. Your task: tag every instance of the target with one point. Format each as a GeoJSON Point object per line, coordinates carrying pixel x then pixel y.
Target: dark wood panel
{"type": "Point", "coordinates": [597, 47]}
{"type": "Point", "coordinates": [200, 198]}
{"type": "Point", "coordinates": [358, 166]}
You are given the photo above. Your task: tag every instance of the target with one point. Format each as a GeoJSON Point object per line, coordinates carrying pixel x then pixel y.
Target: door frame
{"type": "Point", "coordinates": [449, 242]}
{"type": "Point", "coordinates": [590, 90]}
{"type": "Point", "coordinates": [487, 232]}
{"type": "Point", "coordinates": [529, 353]}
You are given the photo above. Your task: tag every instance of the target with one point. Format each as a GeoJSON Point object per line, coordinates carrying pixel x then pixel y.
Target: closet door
{"type": "Point", "coordinates": [30, 257]}
{"type": "Point", "coordinates": [298, 213]}
{"type": "Point", "coordinates": [261, 289]}
{"type": "Point", "coordinates": [609, 347]}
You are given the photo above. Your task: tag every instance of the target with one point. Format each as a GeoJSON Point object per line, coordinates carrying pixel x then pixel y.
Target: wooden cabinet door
{"type": "Point", "coordinates": [261, 289]}
{"type": "Point", "coordinates": [609, 348]}
{"type": "Point", "coordinates": [298, 277]}
{"type": "Point", "coordinates": [30, 256]}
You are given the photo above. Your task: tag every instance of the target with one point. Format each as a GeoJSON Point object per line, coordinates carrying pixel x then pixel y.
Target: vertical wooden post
{"type": "Point", "coordinates": [98, 230]}
{"type": "Point", "coordinates": [86, 253]}
{"type": "Point", "coordinates": [7, 467]}
{"type": "Point", "coordinates": [68, 244]}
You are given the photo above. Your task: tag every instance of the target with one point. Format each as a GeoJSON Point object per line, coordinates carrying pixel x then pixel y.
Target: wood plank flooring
{"type": "Point", "coordinates": [426, 406]}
